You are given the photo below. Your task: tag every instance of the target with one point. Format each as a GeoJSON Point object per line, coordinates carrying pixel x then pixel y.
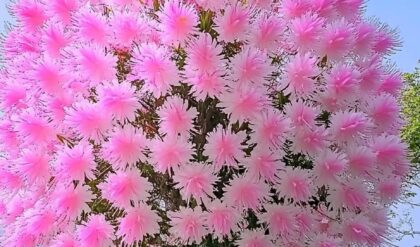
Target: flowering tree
{"type": "Point", "coordinates": [252, 123]}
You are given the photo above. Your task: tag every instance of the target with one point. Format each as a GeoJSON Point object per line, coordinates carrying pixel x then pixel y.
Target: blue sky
{"type": "Point", "coordinates": [401, 14]}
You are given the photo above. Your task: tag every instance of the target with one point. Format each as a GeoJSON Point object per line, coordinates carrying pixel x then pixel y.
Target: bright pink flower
{"type": "Point", "coordinates": [364, 38]}
{"type": "Point", "coordinates": [89, 120]}
{"type": "Point", "coordinates": [204, 55]}
{"type": "Point", "coordinates": [342, 81]}
{"type": "Point", "coordinates": [254, 239]}
{"type": "Point", "coordinates": [12, 95]}
{"type": "Point", "coordinates": [96, 233]}
{"type": "Point", "coordinates": [70, 202]}
{"type": "Point", "coordinates": [391, 83]}
{"type": "Point", "coordinates": [305, 31]}
{"type": "Point", "coordinates": [93, 27]}
{"type": "Point", "coordinates": [348, 126]}
{"type": "Point", "coordinates": [195, 180]}
{"type": "Point", "coordinates": [386, 40]}
{"type": "Point", "coordinates": [337, 40]}
{"type": "Point", "coordinates": [270, 128]}
{"type": "Point", "coordinates": [268, 33]}
{"type": "Point", "coordinates": [188, 225]}
{"type": "Point", "coordinates": [154, 66]}
{"type": "Point", "coordinates": [328, 166]}
{"type": "Point", "coordinates": [41, 222]}
{"type": "Point", "coordinates": [96, 65]}
{"type": "Point", "coordinates": [384, 110]}
{"type": "Point", "coordinates": [243, 104]}
{"type": "Point", "coordinates": [178, 22]}
{"type": "Point", "coordinates": [206, 84]}
{"type": "Point", "coordinates": [299, 73]}
{"type": "Point", "coordinates": [137, 223]}
{"type": "Point", "coordinates": [127, 29]}
{"type": "Point", "coordinates": [30, 13]}
{"type": "Point", "coordinates": [280, 219]}
{"type": "Point", "coordinates": [64, 240]}
{"type": "Point", "coordinates": [175, 117]}
{"type": "Point", "coordinates": [76, 163]}
{"type": "Point", "coordinates": [63, 9]}
{"type": "Point", "coordinates": [263, 164]}
{"type": "Point", "coordinates": [120, 100]}
{"type": "Point", "coordinates": [50, 78]}
{"type": "Point", "coordinates": [123, 187]}
{"type": "Point", "coordinates": [34, 128]}
{"type": "Point", "coordinates": [244, 192]}
{"type": "Point", "coordinates": [34, 166]}
{"type": "Point", "coordinates": [348, 8]}
{"type": "Point", "coordinates": [9, 180]}
{"type": "Point", "coordinates": [295, 184]}
{"type": "Point", "coordinates": [221, 219]}
{"type": "Point", "coordinates": [233, 25]}
{"type": "Point", "coordinates": [370, 73]}
{"type": "Point", "coordinates": [251, 66]}
{"type": "Point", "coordinates": [169, 153]}
{"type": "Point", "coordinates": [224, 148]}
{"type": "Point", "coordinates": [388, 149]}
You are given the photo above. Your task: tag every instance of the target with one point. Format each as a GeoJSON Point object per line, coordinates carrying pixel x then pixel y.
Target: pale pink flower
{"type": "Point", "coordinates": [178, 22]}
{"type": "Point", "coordinates": [310, 141]}
{"type": "Point", "coordinates": [300, 114]}
{"type": "Point", "coordinates": [152, 64]}
{"type": "Point", "coordinates": [221, 219]}
{"type": "Point", "coordinates": [352, 195]}
{"type": "Point", "coordinates": [243, 104]}
{"type": "Point", "coordinates": [234, 24]}
{"type": "Point", "coordinates": [96, 65]}
{"type": "Point", "coordinates": [206, 84]}
{"type": "Point", "coordinates": [370, 73]}
{"type": "Point", "coordinates": [388, 149]}
{"type": "Point", "coordinates": [175, 117]}
{"type": "Point", "coordinates": [280, 219]}
{"type": "Point", "coordinates": [364, 38]}
{"type": "Point", "coordinates": [204, 55]}
{"type": "Point", "coordinates": [224, 148]}
{"type": "Point", "coordinates": [89, 120]}
{"type": "Point", "coordinates": [324, 240]}
{"type": "Point", "coordinates": [342, 81]}
{"type": "Point", "coordinates": [384, 110]}
{"type": "Point", "coordinates": [391, 83]}
{"type": "Point", "coordinates": [349, 8]}
{"type": "Point", "coordinates": [64, 9]}
{"type": "Point", "coordinates": [328, 166]}
{"type": "Point", "coordinates": [348, 126]}
{"type": "Point", "coordinates": [170, 153]}
{"type": "Point", "coordinates": [361, 159]}
{"type": "Point", "coordinates": [389, 189]}
{"type": "Point", "coordinates": [296, 184]}
{"type": "Point", "coordinates": [213, 5]}
{"type": "Point", "coordinates": [268, 33]}
{"type": "Point", "coordinates": [76, 163]}
{"type": "Point", "coordinates": [306, 31]}
{"type": "Point", "coordinates": [299, 73]}
{"type": "Point", "coordinates": [127, 29]}
{"type": "Point", "coordinates": [270, 128]}
{"type": "Point", "coordinates": [123, 187]}
{"type": "Point", "coordinates": [137, 223]}
{"type": "Point", "coordinates": [125, 146]}
{"type": "Point", "coordinates": [96, 233]}
{"type": "Point", "coordinates": [120, 100]}
{"type": "Point", "coordinates": [250, 66]}
{"type": "Point", "coordinates": [70, 202]}
{"type": "Point", "coordinates": [195, 180]}
{"type": "Point", "coordinates": [41, 223]}
{"type": "Point", "coordinates": [358, 229]}
{"type": "Point", "coordinates": [244, 192]}
{"type": "Point", "coordinates": [93, 27]}
{"type": "Point", "coordinates": [64, 239]}
{"type": "Point", "coordinates": [254, 239]}
{"type": "Point", "coordinates": [386, 40]}
{"type": "Point", "coordinates": [336, 40]}
{"type": "Point", "coordinates": [263, 164]}
{"type": "Point", "coordinates": [188, 225]}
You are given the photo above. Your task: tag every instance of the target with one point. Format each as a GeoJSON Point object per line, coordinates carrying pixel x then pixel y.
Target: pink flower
{"type": "Point", "coordinates": [349, 8]}
{"type": "Point", "coordinates": [30, 13]}
{"type": "Point", "coordinates": [34, 166]}
{"type": "Point", "coordinates": [244, 193]}
{"type": "Point", "coordinates": [195, 180]}
{"type": "Point", "coordinates": [305, 31]}
{"type": "Point", "coordinates": [337, 39]}
{"type": "Point", "coordinates": [64, 9]}
{"type": "Point", "coordinates": [342, 81]}
{"type": "Point", "coordinates": [177, 22]}
{"type": "Point", "coordinates": [64, 240]}
{"type": "Point", "coordinates": [386, 40]}
{"type": "Point", "coordinates": [254, 239]}
{"type": "Point", "coordinates": [295, 184]}
{"type": "Point", "coordinates": [175, 117]}
{"type": "Point", "coordinates": [251, 66]}
{"type": "Point", "coordinates": [93, 28]}
{"type": "Point", "coordinates": [76, 163]}
{"type": "Point", "coordinates": [224, 148]}
{"type": "Point", "coordinates": [221, 219]}
{"type": "Point", "coordinates": [123, 187]}
{"type": "Point", "coordinates": [34, 128]}
{"type": "Point", "coordinates": [206, 84]}
{"type": "Point", "coordinates": [188, 225]}
{"type": "Point", "coordinates": [359, 230]}
{"type": "Point", "coordinates": [361, 159]}
{"type": "Point", "coordinates": [270, 128]}
{"type": "Point", "coordinates": [51, 79]}
{"type": "Point", "coordinates": [280, 219]}
{"type": "Point", "coordinates": [127, 29]}
{"type": "Point", "coordinates": [96, 233]}
{"type": "Point", "coordinates": [364, 38]}
{"type": "Point", "coordinates": [352, 196]}
{"type": "Point", "coordinates": [268, 33]}
{"type": "Point", "coordinates": [391, 83]}
{"type": "Point", "coordinates": [70, 202]}
{"type": "Point", "coordinates": [233, 25]}
{"type": "Point", "coordinates": [324, 240]}
{"type": "Point", "coordinates": [294, 8]}
{"type": "Point", "coordinates": [120, 100]}
{"type": "Point", "coordinates": [89, 120]}
{"type": "Point", "coordinates": [299, 73]}
{"type": "Point", "coordinates": [243, 104]}
{"type": "Point", "coordinates": [328, 166]}
{"type": "Point", "coordinates": [204, 55]}
{"type": "Point", "coordinates": [137, 223]}
{"type": "Point", "coordinates": [388, 149]}
{"type": "Point", "coordinates": [384, 110]}
{"type": "Point", "coordinates": [348, 126]}
{"type": "Point", "coordinates": [170, 153]}
{"type": "Point", "coordinates": [310, 141]}
{"type": "Point", "coordinates": [389, 189]}
{"type": "Point", "coordinates": [96, 65]}
{"type": "Point", "coordinates": [153, 65]}
{"type": "Point", "coordinates": [263, 164]}
{"type": "Point", "coordinates": [300, 114]}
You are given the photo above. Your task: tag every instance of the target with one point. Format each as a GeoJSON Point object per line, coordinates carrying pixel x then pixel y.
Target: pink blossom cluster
{"type": "Point", "coordinates": [285, 112]}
